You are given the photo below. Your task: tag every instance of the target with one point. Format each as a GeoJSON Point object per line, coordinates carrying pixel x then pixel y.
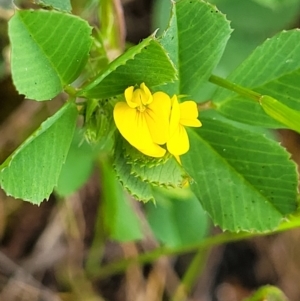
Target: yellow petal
{"type": "Point", "coordinates": [175, 116]}
{"type": "Point", "coordinates": [137, 98]}
{"type": "Point", "coordinates": [158, 115]}
{"type": "Point", "coordinates": [189, 114]}
{"type": "Point", "coordinates": [129, 97]}
{"type": "Point", "coordinates": [147, 96]}
{"type": "Point", "coordinates": [133, 127]}
{"type": "Point", "coordinates": [153, 150]}
{"type": "Point", "coordinates": [178, 143]}
{"type": "Point", "coordinates": [177, 159]}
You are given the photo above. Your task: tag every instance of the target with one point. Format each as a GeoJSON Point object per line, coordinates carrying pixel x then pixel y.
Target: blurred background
{"type": "Point", "coordinates": [55, 251]}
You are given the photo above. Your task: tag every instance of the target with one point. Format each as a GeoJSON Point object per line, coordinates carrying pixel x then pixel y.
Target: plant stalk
{"type": "Point", "coordinates": [190, 277]}
{"type": "Point", "coordinates": [219, 81]}
{"type": "Point", "coordinates": [122, 265]}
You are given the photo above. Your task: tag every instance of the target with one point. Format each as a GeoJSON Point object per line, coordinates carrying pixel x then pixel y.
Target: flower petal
{"type": "Point", "coordinates": [158, 116]}
{"type": "Point", "coordinates": [189, 114]}
{"type": "Point", "coordinates": [175, 116]}
{"type": "Point", "coordinates": [153, 150]}
{"type": "Point", "coordinates": [133, 127]}
{"type": "Point", "coordinates": [147, 96]}
{"type": "Point", "coordinates": [129, 97]}
{"type": "Point", "coordinates": [178, 143]}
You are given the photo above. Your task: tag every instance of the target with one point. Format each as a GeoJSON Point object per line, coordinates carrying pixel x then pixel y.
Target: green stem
{"type": "Point", "coordinates": [71, 91]}
{"type": "Point", "coordinates": [234, 87]}
{"type": "Point", "coordinates": [122, 265]}
{"type": "Point", "coordinates": [190, 276]}
{"type": "Point", "coordinates": [96, 250]}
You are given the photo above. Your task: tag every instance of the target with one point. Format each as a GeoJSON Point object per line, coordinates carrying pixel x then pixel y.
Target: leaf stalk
{"type": "Point", "coordinates": [219, 81]}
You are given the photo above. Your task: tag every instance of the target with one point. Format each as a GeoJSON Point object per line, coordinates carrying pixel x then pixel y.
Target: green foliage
{"type": "Point", "coordinates": [78, 166]}
{"type": "Point", "coordinates": [99, 126]}
{"type": "Point", "coordinates": [120, 221]}
{"type": "Point", "coordinates": [140, 190]}
{"type": "Point", "coordinates": [268, 293]}
{"type": "Point", "coordinates": [252, 207]}
{"type": "Point", "coordinates": [276, 4]}
{"type": "Point", "coordinates": [112, 29]}
{"type": "Point", "coordinates": [146, 62]}
{"type": "Point", "coordinates": [31, 172]}
{"type": "Point", "coordinates": [49, 51]}
{"type": "Point", "coordinates": [272, 69]}
{"type": "Point", "coordinates": [168, 174]}
{"type": "Point", "coordinates": [139, 173]}
{"type": "Point", "coordinates": [253, 21]}
{"type": "Point", "coordinates": [184, 220]}
{"type": "Point", "coordinates": [195, 45]}
{"type": "Point", "coordinates": [278, 111]}
{"type": "Point", "coordinates": [235, 173]}
{"type": "Point", "coordinates": [63, 5]}
{"type": "Point", "coordinates": [244, 180]}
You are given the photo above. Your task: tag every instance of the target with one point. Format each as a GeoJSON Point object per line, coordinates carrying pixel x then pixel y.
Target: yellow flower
{"type": "Point", "coordinates": [183, 114]}
{"type": "Point", "coordinates": [143, 120]}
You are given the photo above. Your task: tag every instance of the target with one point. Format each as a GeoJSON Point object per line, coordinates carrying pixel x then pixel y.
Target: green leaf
{"type": "Point", "coordinates": [177, 218]}
{"type": "Point", "coordinates": [49, 49]}
{"type": "Point", "coordinates": [267, 293]}
{"type": "Point", "coordinates": [63, 5]}
{"type": "Point", "coordinates": [278, 4]}
{"type": "Point", "coordinates": [280, 112]}
{"type": "Point", "coordinates": [139, 173]}
{"type": "Point", "coordinates": [78, 166]}
{"type": "Point", "coordinates": [120, 220]}
{"type": "Point", "coordinates": [146, 62]}
{"type": "Point", "coordinates": [161, 13]}
{"type": "Point", "coordinates": [244, 180]}
{"type": "Point", "coordinates": [32, 171]}
{"type": "Point", "coordinates": [253, 21]}
{"type": "Point", "coordinates": [195, 44]}
{"type": "Point", "coordinates": [168, 174]}
{"type": "Point", "coordinates": [272, 69]}
{"type": "Point", "coordinates": [142, 191]}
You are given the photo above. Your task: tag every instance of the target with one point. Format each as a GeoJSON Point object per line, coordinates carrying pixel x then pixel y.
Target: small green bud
{"type": "Point", "coordinates": [98, 121]}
